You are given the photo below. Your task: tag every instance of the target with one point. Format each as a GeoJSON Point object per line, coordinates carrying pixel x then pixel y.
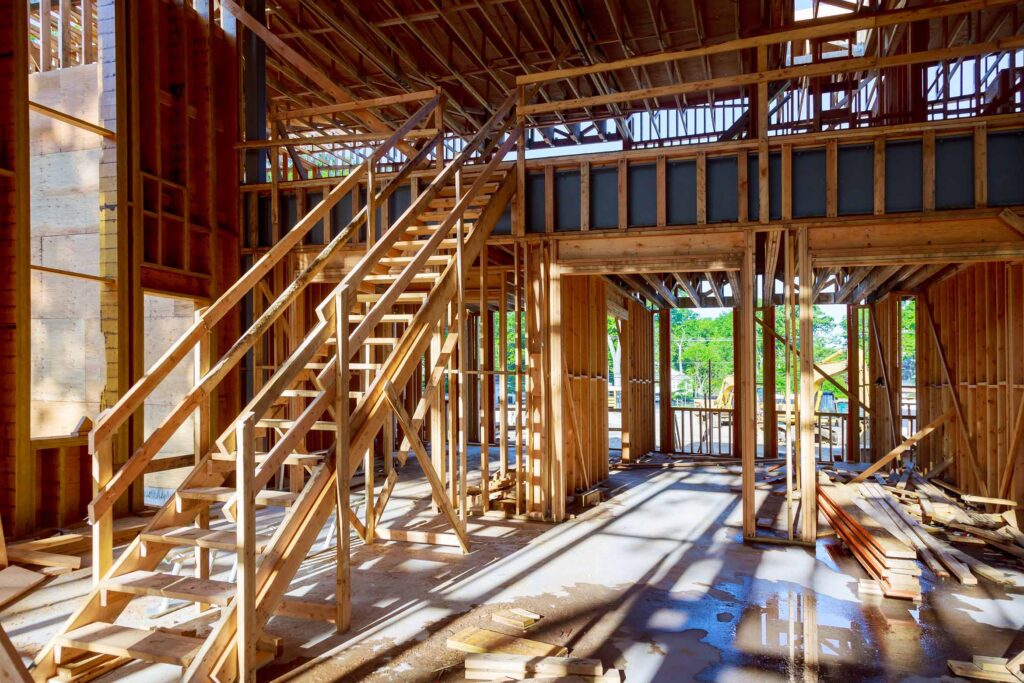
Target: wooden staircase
{"type": "Point", "coordinates": [345, 379]}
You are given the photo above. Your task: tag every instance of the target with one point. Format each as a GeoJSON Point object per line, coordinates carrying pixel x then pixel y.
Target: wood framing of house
{"type": "Point", "coordinates": [385, 269]}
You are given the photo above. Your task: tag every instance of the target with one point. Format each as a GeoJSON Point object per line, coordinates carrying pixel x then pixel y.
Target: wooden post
{"type": "Point", "coordinates": [746, 404]}
{"type": "Point", "coordinates": [879, 176]}
{"type": "Point", "coordinates": [203, 436]}
{"type": "Point", "coordinates": [64, 34]}
{"type": "Point", "coordinates": [103, 529]}
{"type": "Point", "coordinates": [559, 388]}
{"type": "Point", "coordinates": [665, 378]}
{"type": "Point", "coordinates": [768, 384]}
{"type": "Point", "coordinates": [503, 374]}
{"type": "Point", "coordinates": [853, 383]}
{"type": "Point", "coordinates": [88, 35]}
{"type": "Point", "coordinates": [486, 352]}
{"type": "Point", "coordinates": [342, 464]}
{"type": "Point", "coordinates": [463, 347]}
{"type": "Point", "coordinates": [245, 470]}
{"type": "Point", "coordinates": [45, 49]}
{"type": "Point", "coordinates": [437, 415]}
{"type": "Point", "coordinates": [808, 476]}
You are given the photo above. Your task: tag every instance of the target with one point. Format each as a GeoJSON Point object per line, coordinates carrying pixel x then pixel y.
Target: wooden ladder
{"type": "Point", "coordinates": [384, 312]}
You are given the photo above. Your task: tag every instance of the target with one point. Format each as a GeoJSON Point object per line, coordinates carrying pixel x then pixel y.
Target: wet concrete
{"type": "Point", "coordinates": [655, 582]}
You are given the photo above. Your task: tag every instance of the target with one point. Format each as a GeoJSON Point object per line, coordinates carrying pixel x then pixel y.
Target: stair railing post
{"type": "Point", "coordinates": [463, 414]}
{"type": "Point", "coordinates": [103, 528]}
{"type": "Point", "coordinates": [245, 472]}
{"type": "Point", "coordinates": [203, 436]}
{"type": "Point", "coordinates": [342, 460]}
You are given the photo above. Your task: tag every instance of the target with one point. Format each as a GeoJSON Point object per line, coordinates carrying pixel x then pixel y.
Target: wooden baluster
{"type": "Point", "coordinates": [103, 528]}
{"type": "Point", "coordinates": [342, 462]}
{"type": "Point", "coordinates": [203, 434]}
{"type": "Point", "coordinates": [245, 463]}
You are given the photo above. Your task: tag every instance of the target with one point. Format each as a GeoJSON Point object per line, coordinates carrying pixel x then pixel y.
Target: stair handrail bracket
{"type": "Point", "coordinates": [111, 487]}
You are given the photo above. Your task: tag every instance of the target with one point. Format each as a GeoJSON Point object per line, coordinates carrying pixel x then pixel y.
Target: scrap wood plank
{"type": "Point", "coordinates": [993, 539]}
{"type": "Point", "coordinates": [893, 585]}
{"type": "Point", "coordinates": [89, 667]}
{"type": "Point", "coordinates": [15, 581]}
{"type": "Point", "coordinates": [983, 570]}
{"type": "Point", "coordinates": [905, 446]}
{"type": "Point", "coordinates": [972, 670]}
{"type": "Point", "coordinates": [522, 665]}
{"type": "Point", "coordinates": [480, 641]}
{"type": "Point", "coordinates": [41, 559]}
{"type": "Point", "coordinates": [841, 498]}
{"type": "Point", "coordinates": [943, 553]}
{"type": "Point", "coordinates": [516, 617]}
{"type": "Point", "coordinates": [11, 667]}
{"type": "Point", "coordinates": [78, 542]}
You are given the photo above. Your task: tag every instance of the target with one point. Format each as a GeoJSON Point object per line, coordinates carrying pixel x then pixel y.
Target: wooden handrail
{"type": "Point", "coordinates": [260, 403]}
{"type": "Point", "coordinates": [318, 335]}
{"type": "Point", "coordinates": [134, 397]}
{"type": "Point", "coordinates": [387, 240]}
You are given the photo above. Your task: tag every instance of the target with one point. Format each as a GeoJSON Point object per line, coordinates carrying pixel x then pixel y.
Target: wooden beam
{"type": "Point", "coordinates": [808, 475]}
{"type": "Point", "coordinates": [905, 446]}
{"type": "Point", "coordinates": [789, 73]}
{"type": "Point", "coordinates": [306, 68]}
{"type": "Point", "coordinates": [72, 120]}
{"type": "Point", "coordinates": [837, 26]}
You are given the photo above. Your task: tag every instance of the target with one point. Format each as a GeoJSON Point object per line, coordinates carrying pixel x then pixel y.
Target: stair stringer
{"type": "Point", "coordinates": [216, 660]}
{"type": "Point", "coordinates": [208, 472]}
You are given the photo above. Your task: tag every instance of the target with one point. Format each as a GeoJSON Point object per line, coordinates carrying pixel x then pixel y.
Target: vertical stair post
{"type": "Point", "coordinates": [103, 529]}
{"type": "Point", "coordinates": [245, 472]}
{"type": "Point", "coordinates": [342, 460]}
{"type": "Point", "coordinates": [202, 438]}
{"type": "Point", "coordinates": [463, 416]}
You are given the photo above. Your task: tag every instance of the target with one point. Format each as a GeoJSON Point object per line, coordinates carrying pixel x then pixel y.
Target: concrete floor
{"type": "Point", "coordinates": [655, 582]}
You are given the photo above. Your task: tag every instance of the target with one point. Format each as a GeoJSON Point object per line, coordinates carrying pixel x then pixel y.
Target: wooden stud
{"type": "Point", "coordinates": [248, 628]}
{"type": "Point", "coordinates": [928, 170]}
{"type": "Point", "coordinates": [702, 189]}
{"type": "Point", "coordinates": [808, 477]}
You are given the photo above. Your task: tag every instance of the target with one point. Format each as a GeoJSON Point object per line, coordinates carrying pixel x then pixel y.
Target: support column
{"type": "Point", "coordinates": [853, 384]}
{"type": "Point", "coordinates": [665, 379]}
{"type": "Point", "coordinates": [746, 403]}
{"type": "Point", "coordinates": [808, 476]}
{"type": "Point", "coordinates": [768, 384]}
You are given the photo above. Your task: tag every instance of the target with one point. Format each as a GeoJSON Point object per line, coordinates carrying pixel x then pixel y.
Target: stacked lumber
{"type": "Point", "coordinates": [990, 668]}
{"type": "Point", "coordinates": [504, 667]}
{"type": "Point", "coordinates": [918, 512]}
{"type": "Point", "coordinates": [882, 553]}
{"type": "Point", "coordinates": [480, 641]}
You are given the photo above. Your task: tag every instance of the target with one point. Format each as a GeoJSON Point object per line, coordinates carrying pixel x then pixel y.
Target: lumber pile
{"type": "Point", "coordinates": [480, 641]}
{"type": "Point", "coordinates": [884, 555]}
{"type": "Point", "coordinates": [990, 668]}
{"type": "Point", "coordinates": [504, 667]}
{"type": "Point", "coordinates": [925, 517]}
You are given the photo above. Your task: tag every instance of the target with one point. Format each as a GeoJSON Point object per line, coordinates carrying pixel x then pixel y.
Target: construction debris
{"type": "Point", "coordinates": [489, 667]}
{"type": "Point", "coordinates": [880, 520]}
{"type": "Point", "coordinates": [481, 641]}
{"type": "Point", "coordinates": [516, 618]}
{"type": "Point", "coordinates": [17, 581]}
{"type": "Point", "coordinates": [990, 668]}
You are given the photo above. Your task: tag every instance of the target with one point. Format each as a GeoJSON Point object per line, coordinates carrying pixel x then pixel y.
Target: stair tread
{"type": "Point", "coordinates": [280, 423]}
{"type": "Point", "coordinates": [301, 393]}
{"type": "Point", "coordinates": [157, 647]}
{"type": "Point", "coordinates": [175, 587]}
{"type": "Point", "coordinates": [292, 459]}
{"type": "Point", "coordinates": [202, 538]}
{"type": "Point", "coordinates": [224, 493]}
